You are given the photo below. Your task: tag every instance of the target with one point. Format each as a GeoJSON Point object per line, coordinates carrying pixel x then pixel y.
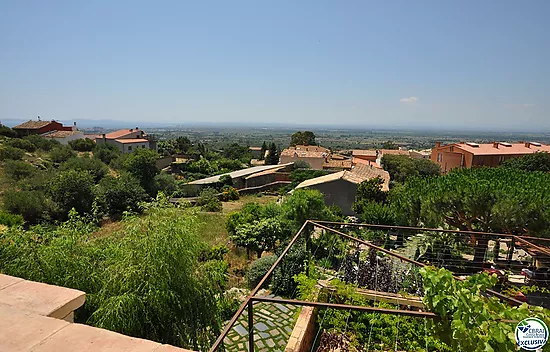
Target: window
{"type": "Point", "coordinates": [501, 159]}
{"type": "Point", "coordinates": [439, 157]}
{"type": "Point", "coordinates": [462, 160]}
{"type": "Point", "coordinates": [129, 148]}
{"type": "Point", "coordinates": [143, 146]}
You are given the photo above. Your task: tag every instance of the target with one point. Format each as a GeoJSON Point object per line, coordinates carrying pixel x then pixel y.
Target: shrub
{"type": "Point", "coordinates": [7, 132]}
{"type": "Point", "coordinates": [61, 154]}
{"type": "Point", "coordinates": [94, 166]}
{"type": "Point", "coordinates": [31, 205]}
{"type": "Point", "coordinates": [258, 269]}
{"type": "Point", "coordinates": [10, 220]}
{"type": "Point", "coordinates": [72, 189]}
{"type": "Point", "coordinates": [142, 165]}
{"type": "Point", "coordinates": [82, 144]}
{"type": "Point", "coordinates": [21, 144]}
{"type": "Point", "coordinates": [119, 194]}
{"type": "Point", "coordinates": [226, 180]}
{"type": "Point", "coordinates": [106, 152]}
{"type": "Point", "coordinates": [208, 200]}
{"type": "Point", "coordinates": [291, 265]}
{"type": "Point", "coordinates": [45, 144]}
{"type": "Point", "coordinates": [166, 183]}
{"type": "Point", "coordinates": [18, 169]}
{"type": "Point", "coordinates": [11, 153]}
{"type": "Point", "coordinates": [229, 193]}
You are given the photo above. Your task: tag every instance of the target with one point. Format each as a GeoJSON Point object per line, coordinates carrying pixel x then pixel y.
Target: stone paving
{"type": "Point", "coordinates": [273, 324]}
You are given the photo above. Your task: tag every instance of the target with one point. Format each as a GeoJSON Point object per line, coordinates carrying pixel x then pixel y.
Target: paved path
{"type": "Point", "coordinates": [273, 324]}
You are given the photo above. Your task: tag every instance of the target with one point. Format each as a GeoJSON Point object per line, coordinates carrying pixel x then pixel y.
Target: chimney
{"type": "Point", "coordinates": [461, 142]}
{"type": "Point", "coordinates": [437, 144]}
{"type": "Point", "coordinates": [74, 126]}
{"type": "Point", "coordinates": [495, 145]}
{"type": "Point", "coordinates": [527, 145]}
{"type": "Point", "coordinates": [137, 128]}
{"type": "Point", "coordinates": [104, 138]}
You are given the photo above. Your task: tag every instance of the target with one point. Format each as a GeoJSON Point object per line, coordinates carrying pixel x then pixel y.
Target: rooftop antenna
{"type": "Point", "coordinates": [39, 118]}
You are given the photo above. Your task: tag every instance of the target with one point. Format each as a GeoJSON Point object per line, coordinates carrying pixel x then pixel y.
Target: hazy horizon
{"type": "Point", "coordinates": [461, 65]}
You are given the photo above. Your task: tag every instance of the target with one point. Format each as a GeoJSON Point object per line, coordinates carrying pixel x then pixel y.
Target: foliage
{"type": "Point", "coordinates": [302, 138]}
{"type": "Point", "coordinates": [401, 167]}
{"type": "Point", "coordinates": [142, 165]}
{"type": "Point", "coordinates": [33, 205]}
{"type": "Point", "coordinates": [106, 152]}
{"type": "Point", "coordinates": [94, 166]}
{"type": "Point", "coordinates": [531, 162]}
{"type": "Point", "coordinates": [7, 132]}
{"type": "Point", "coordinates": [390, 145]}
{"type": "Point", "coordinates": [45, 144]}
{"type": "Point", "coordinates": [368, 192]}
{"type": "Point", "coordinates": [72, 189]}
{"type": "Point", "coordinates": [301, 164]}
{"type": "Point", "coordinates": [11, 153]}
{"type": "Point", "coordinates": [272, 155]}
{"type": "Point", "coordinates": [18, 170]}
{"type": "Point", "coordinates": [146, 282]}
{"type": "Point", "coordinates": [10, 220]}
{"type": "Point", "coordinates": [166, 183]}
{"type": "Point", "coordinates": [469, 321]}
{"type": "Point", "coordinates": [263, 150]}
{"type": "Point", "coordinates": [209, 200]}
{"type": "Point", "coordinates": [235, 151]}
{"type": "Point", "coordinates": [305, 204]}
{"type": "Point", "coordinates": [292, 264]}
{"type": "Point", "coordinates": [260, 235]}
{"type": "Point", "coordinates": [229, 193]}
{"type": "Point", "coordinates": [226, 180]}
{"type": "Point", "coordinates": [61, 154]}
{"type": "Point", "coordinates": [117, 195]}
{"type": "Point", "coordinates": [21, 144]}
{"type": "Point", "coordinates": [258, 269]}
{"type": "Point", "coordinates": [82, 144]}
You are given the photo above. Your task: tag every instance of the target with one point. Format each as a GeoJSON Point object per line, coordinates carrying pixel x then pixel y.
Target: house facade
{"type": "Point", "coordinates": [466, 155]}
{"type": "Point", "coordinates": [315, 156]}
{"type": "Point", "coordinates": [64, 137]}
{"type": "Point", "coordinates": [128, 140]}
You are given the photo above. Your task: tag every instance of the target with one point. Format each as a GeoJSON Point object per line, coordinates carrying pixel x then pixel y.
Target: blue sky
{"type": "Point", "coordinates": [448, 64]}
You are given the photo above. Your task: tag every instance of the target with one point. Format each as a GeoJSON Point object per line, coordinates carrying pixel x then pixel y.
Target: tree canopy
{"type": "Point", "coordinates": [302, 138]}
{"type": "Point", "coordinates": [401, 167]}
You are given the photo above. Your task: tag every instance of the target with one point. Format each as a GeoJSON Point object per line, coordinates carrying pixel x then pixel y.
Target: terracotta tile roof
{"type": "Point", "coordinates": [337, 164]}
{"type": "Point", "coordinates": [367, 172]}
{"type": "Point", "coordinates": [32, 125]}
{"type": "Point", "coordinates": [120, 133]}
{"type": "Point", "coordinates": [131, 140]}
{"type": "Point", "coordinates": [356, 161]}
{"type": "Point", "coordinates": [503, 148]}
{"type": "Point", "coordinates": [62, 134]}
{"type": "Point", "coordinates": [363, 152]}
{"type": "Point", "coordinates": [356, 175]}
{"type": "Point", "coordinates": [394, 152]}
{"type": "Point", "coordinates": [93, 136]}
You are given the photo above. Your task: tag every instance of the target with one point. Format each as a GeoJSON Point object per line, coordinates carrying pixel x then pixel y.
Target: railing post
{"type": "Point", "coordinates": [510, 251]}
{"type": "Point", "coordinates": [250, 326]}
{"type": "Point", "coordinates": [308, 230]}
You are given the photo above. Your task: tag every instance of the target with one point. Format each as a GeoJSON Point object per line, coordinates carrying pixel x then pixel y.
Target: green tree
{"type": "Point", "coordinates": [259, 236]}
{"type": "Point", "coordinates": [7, 132]}
{"type": "Point", "coordinates": [106, 152]}
{"type": "Point", "coordinates": [402, 168]}
{"type": "Point", "coordinates": [142, 165]}
{"type": "Point", "coordinates": [272, 156]}
{"type": "Point", "coordinates": [209, 200]}
{"type": "Point", "coordinates": [21, 144]}
{"type": "Point", "coordinates": [236, 151]}
{"type": "Point", "coordinates": [302, 138]}
{"type": "Point", "coordinates": [263, 150]}
{"type": "Point", "coordinates": [32, 205]}
{"type": "Point", "coordinates": [389, 145]}
{"type": "Point", "coordinates": [94, 166]}
{"type": "Point", "coordinates": [305, 204]}
{"type": "Point", "coordinates": [61, 154]}
{"type": "Point", "coordinates": [119, 194]}
{"type": "Point", "coordinates": [531, 162]}
{"type": "Point", "coordinates": [72, 189]}
{"type": "Point", "coordinates": [45, 144]}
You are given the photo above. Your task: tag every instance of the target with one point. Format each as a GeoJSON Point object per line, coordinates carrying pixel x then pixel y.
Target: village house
{"type": "Point", "coordinates": [466, 155]}
{"type": "Point", "coordinates": [315, 156]}
{"type": "Point", "coordinates": [340, 188]}
{"type": "Point", "coordinates": [256, 152]}
{"type": "Point", "coordinates": [64, 137]}
{"type": "Point", "coordinates": [128, 140]}
{"type": "Point", "coordinates": [373, 157]}
{"type": "Point", "coordinates": [41, 127]}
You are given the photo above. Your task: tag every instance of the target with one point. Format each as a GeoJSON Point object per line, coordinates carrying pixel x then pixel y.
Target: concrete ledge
{"type": "Point", "coordinates": [43, 299]}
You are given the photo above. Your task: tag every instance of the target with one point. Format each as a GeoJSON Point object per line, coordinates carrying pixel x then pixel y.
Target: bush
{"type": "Point", "coordinates": [10, 220]}
{"type": "Point", "coordinates": [61, 154]}
{"type": "Point", "coordinates": [166, 183]}
{"type": "Point", "coordinates": [31, 205]}
{"type": "Point", "coordinates": [226, 180]}
{"type": "Point", "coordinates": [119, 194]}
{"type": "Point", "coordinates": [72, 189]}
{"type": "Point", "coordinates": [258, 269]}
{"type": "Point", "coordinates": [208, 200]}
{"type": "Point", "coordinates": [7, 132]}
{"type": "Point", "coordinates": [18, 169]}
{"type": "Point", "coordinates": [106, 152]}
{"type": "Point", "coordinates": [291, 265]}
{"type": "Point", "coordinates": [45, 144]}
{"type": "Point", "coordinates": [82, 145]}
{"type": "Point", "coordinates": [229, 193]}
{"type": "Point", "coordinates": [21, 144]}
{"type": "Point", "coordinates": [142, 165]}
{"type": "Point", "coordinates": [94, 166]}
{"type": "Point", "coordinates": [11, 153]}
